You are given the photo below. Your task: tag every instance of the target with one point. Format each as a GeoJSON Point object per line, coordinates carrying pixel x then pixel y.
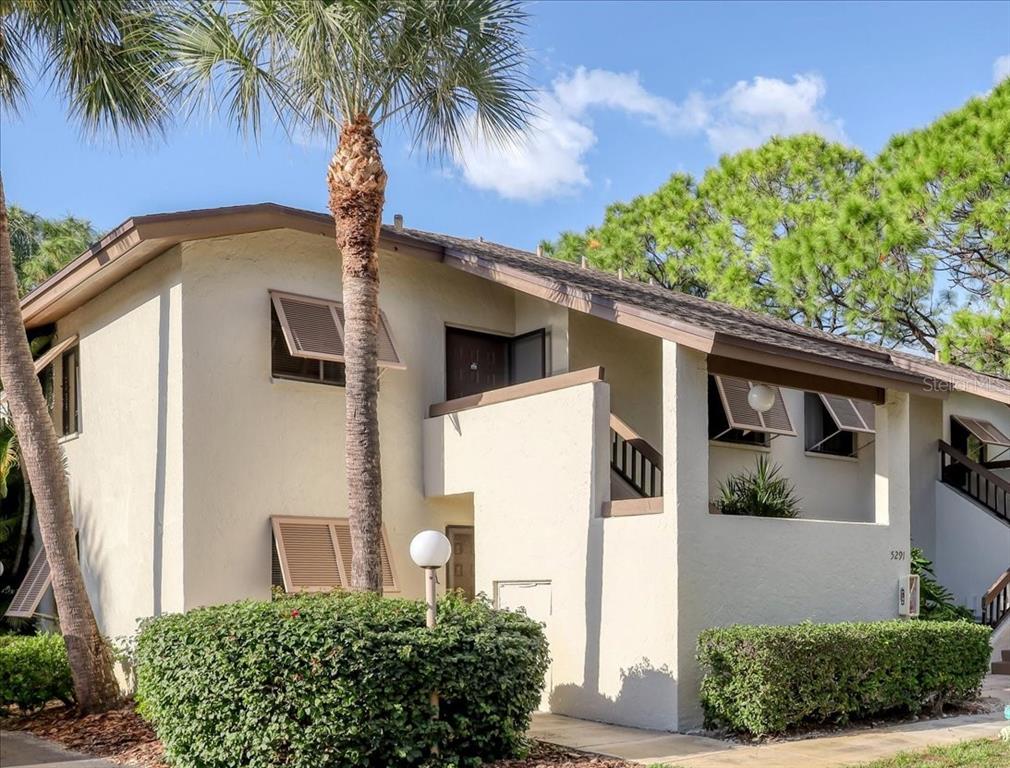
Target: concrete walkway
{"type": "Point", "coordinates": [648, 747]}
{"type": "Point", "coordinates": [18, 748]}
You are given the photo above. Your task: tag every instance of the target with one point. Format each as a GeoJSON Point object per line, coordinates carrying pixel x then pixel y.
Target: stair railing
{"type": "Point", "coordinates": [982, 484]}
{"type": "Point", "coordinates": [996, 601]}
{"type": "Point", "coordinates": [634, 460]}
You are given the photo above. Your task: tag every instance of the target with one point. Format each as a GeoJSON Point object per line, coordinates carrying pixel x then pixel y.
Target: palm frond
{"type": "Point", "coordinates": [14, 55]}
{"type": "Point", "coordinates": [109, 59]}
{"type": "Point", "coordinates": [8, 455]}
{"type": "Point", "coordinates": [461, 69]}
{"type": "Point", "coordinates": [443, 69]}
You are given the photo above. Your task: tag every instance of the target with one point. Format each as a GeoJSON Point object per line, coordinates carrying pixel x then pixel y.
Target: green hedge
{"type": "Point", "coordinates": [33, 671]}
{"type": "Point", "coordinates": [767, 679]}
{"type": "Point", "coordinates": [339, 680]}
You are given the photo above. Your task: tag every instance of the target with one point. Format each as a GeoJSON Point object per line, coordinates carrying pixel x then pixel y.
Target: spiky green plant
{"type": "Point", "coordinates": [760, 492]}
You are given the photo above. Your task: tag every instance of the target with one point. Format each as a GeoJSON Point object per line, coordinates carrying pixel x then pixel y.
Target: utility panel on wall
{"type": "Point", "coordinates": [908, 596]}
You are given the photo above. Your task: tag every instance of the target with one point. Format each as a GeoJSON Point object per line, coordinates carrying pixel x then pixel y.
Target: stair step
{"type": "Point", "coordinates": [1001, 667]}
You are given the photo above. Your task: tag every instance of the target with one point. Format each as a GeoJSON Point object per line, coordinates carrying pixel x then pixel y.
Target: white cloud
{"type": "Point", "coordinates": [1000, 69]}
{"type": "Point", "coordinates": [748, 113]}
{"type": "Point", "coordinates": [546, 162]}
{"type": "Point", "coordinates": [550, 160]}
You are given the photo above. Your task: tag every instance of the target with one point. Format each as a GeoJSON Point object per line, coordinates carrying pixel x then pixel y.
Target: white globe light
{"type": "Point", "coordinates": [761, 397]}
{"type": "Point", "coordinates": [430, 549]}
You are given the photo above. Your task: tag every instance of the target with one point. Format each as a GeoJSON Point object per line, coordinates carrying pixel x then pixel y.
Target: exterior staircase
{"type": "Point", "coordinates": [976, 481]}
{"type": "Point", "coordinates": [1002, 667]}
{"type": "Point", "coordinates": [636, 468]}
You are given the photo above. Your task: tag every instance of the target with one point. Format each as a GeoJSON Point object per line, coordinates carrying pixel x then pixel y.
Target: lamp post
{"type": "Point", "coordinates": [430, 550]}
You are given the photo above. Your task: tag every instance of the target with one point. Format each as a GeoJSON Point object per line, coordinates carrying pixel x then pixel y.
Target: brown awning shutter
{"type": "Point", "coordinates": [314, 328]}
{"type": "Point", "coordinates": [739, 415]}
{"type": "Point", "coordinates": [53, 352]}
{"type": "Point", "coordinates": [315, 554]}
{"type": "Point", "coordinates": [985, 431]}
{"type": "Point", "coordinates": [29, 595]}
{"type": "Point", "coordinates": [850, 415]}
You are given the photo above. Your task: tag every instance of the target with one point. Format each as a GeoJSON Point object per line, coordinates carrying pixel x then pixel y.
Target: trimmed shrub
{"type": "Point", "coordinates": [339, 680]}
{"type": "Point", "coordinates": [33, 671]}
{"type": "Point", "coordinates": [767, 679]}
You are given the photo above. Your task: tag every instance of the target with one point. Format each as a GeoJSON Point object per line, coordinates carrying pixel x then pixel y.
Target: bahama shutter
{"type": "Point", "coordinates": [314, 328]}
{"type": "Point", "coordinates": [314, 554]}
{"type": "Point", "coordinates": [739, 415]}
{"type": "Point", "coordinates": [985, 431]}
{"type": "Point", "coordinates": [850, 415]}
{"type": "Point", "coordinates": [308, 554]}
{"type": "Point", "coordinates": [29, 595]}
{"type": "Point", "coordinates": [54, 352]}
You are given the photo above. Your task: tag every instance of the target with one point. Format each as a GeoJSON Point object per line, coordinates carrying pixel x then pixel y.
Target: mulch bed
{"type": "Point", "coordinates": [119, 735]}
{"type": "Point", "coordinates": [122, 736]}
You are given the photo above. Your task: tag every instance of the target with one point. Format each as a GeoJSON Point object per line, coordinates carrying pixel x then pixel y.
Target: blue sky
{"type": "Point", "coordinates": [631, 92]}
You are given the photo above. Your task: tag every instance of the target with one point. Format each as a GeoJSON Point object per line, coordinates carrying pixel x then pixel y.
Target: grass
{"type": "Point", "coordinates": [980, 753]}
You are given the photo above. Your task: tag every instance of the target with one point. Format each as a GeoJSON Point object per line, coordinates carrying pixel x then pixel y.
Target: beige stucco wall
{"type": "Point", "coordinates": [255, 447]}
{"type": "Point", "coordinates": [927, 428]}
{"type": "Point", "coordinates": [760, 570]}
{"type": "Point", "coordinates": [633, 364]}
{"type": "Point", "coordinates": [125, 464]}
{"type": "Point", "coordinates": [830, 487]}
{"type": "Point", "coordinates": [611, 625]}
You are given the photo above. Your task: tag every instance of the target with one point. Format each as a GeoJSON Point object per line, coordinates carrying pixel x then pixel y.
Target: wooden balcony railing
{"type": "Point", "coordinates": [634, 460]}
{"type": "Point", "coordinates": [996, 601]}
{"type": "Point", "coordinates": [981, 484]}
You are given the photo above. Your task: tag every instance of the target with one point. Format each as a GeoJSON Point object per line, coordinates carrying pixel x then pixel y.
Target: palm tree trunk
{"type": "Point", "coordinates": [357, 183]}
{"type": "Point", "coordinates": [90, 659]}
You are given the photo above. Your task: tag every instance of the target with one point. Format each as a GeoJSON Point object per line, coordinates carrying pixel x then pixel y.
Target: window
{"type": "Point", "coordinates": [971, 436]}
{"type": "Point", "coordinates": [822, 435]}
{"type": "Point", "coordinates": [314, 328]}
{"type": "Point", "coordinates": [284, 365]}
{"type": "Point", "coordinates": [71, 391]}
{"type": "Point", "coordinates": [313, 554]}
{"type": "Point", "coordinates": [528, 357]}
{"type": "Point", "coordinates": [833, 421]}
{"type": "Point", "coordinates": [718, 424]}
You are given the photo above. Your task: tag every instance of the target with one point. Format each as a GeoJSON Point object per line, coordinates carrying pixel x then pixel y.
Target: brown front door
{"type": "Point", "coordinates": [460, 568]}
{"type": "Point", "coordinates": [474, 362]}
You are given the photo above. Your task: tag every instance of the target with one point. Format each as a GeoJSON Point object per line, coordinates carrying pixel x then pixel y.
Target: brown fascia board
{"type": "Point", "coordinates": [141, 238]}
{"type": "Point", "coordinates": [580, 300]}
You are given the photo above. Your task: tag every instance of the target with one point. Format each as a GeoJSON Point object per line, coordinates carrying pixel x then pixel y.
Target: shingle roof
{"type": "Point", "coordinates": [144, 237]}
{"type": "Point", "coordinates": [710, 315]}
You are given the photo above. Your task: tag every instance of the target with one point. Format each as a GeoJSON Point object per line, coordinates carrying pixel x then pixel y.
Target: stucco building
{"type": "Point", "coordinates": [568, 429]}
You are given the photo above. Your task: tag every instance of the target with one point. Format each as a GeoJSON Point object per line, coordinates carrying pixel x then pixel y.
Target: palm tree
{"type": "Point", "coordinates": [437, 68]}
{"type": "Point", "coordinates": [110, 61]}
{"type": "Point", "coordinates": [41, 246]}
